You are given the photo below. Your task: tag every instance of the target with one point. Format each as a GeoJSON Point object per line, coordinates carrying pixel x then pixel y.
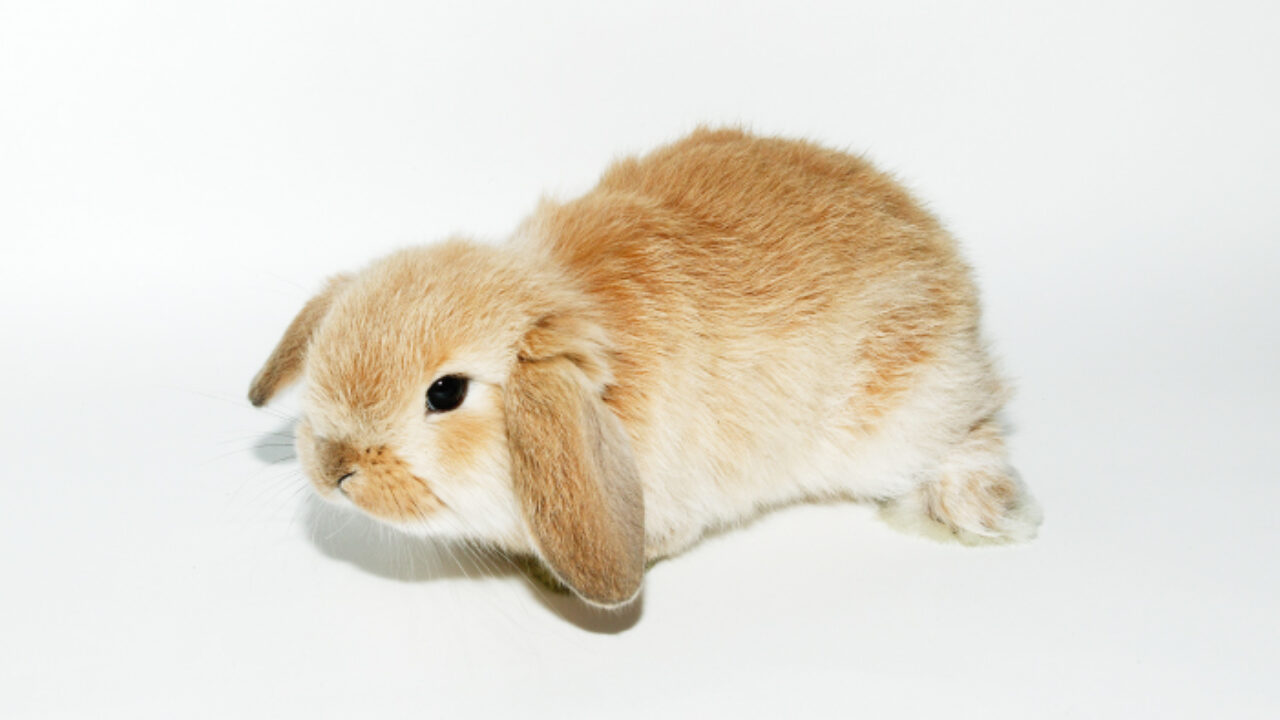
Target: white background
{"type": "Point", "coordinates": [176, 178]}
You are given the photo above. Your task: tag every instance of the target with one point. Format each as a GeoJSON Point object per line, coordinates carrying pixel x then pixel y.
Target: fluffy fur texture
{"type": "Point", "coordinates": [725, 325]}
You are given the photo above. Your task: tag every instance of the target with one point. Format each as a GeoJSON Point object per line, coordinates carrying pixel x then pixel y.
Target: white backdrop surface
{"type": "Point", "coordinates": [176, 178]}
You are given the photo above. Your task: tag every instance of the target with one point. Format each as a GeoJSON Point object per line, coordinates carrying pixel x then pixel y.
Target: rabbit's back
{"type": "Point", "coordinates": [769, 188]}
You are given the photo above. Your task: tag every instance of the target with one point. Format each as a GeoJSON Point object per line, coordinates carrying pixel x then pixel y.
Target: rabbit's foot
{"type": "Point", "coordinates": [974, 496]}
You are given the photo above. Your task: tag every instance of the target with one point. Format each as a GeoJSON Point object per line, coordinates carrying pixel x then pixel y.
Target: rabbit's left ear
{"type": "Point", "coordinates": [285, 363]}
{"type": "Point", "coordinates": [573, 470]}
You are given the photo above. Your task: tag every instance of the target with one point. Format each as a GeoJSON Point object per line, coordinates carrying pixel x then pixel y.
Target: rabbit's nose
{"type": "Point", "coordinates": [344, 479]}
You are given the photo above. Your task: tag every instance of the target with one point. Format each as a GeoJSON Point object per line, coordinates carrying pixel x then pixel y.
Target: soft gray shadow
{"type": "Point", "coordinates": [587, 617]}
{"type": "Point", "coordinates": [276, 446]}
{"type": "Point", "coordinates": [352, 537]}
{"type": "Point", "coordinates": [349, 536]}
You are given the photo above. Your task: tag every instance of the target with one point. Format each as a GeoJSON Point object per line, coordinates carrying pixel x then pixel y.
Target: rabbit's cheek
{"type": "Point", "coordinates": [467, 440]}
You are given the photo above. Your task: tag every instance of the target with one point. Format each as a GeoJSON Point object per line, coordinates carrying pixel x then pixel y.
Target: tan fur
{"type": "Point", "coordinates": [374, 478]}
{"type": "Point", "coordinates": [573, 471]}
{"type": "Point", "coordinates": [724, 325]}
{"type": "Point", "coordinates": [467, 437]}
{"type": "Point", "coordinates": [285, 363]}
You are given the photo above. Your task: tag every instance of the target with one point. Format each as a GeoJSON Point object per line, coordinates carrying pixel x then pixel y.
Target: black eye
{"type": "Point", "coordinates": [446, 393]}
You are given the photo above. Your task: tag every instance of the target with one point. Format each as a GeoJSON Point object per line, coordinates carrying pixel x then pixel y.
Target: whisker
{"type": "Point", "coordinates": [448, 547]}
{"type": "Point", "coordinates": [492, 557]}
{"type": "Point", "coordinates": [274, 434]}
{"type": "Point", "coordinates": [287, 480]}
{"type": "Point", "coordinates": [521, 566]}
{"type": "Point", "coordinates": [350, 516]}
{"type": "Point", "coordinates": [239, 402]}
{"type": "Point", "coordinates": [273, 496]}
{"type": "Point", "coordinates": [284, 500]}
{"type": "Point", "coordinates": [300, 505]}
{"type": "Point", "coordinates": [474, 556]}
{"type": "Point", "coordinates": [237, 451]}
{"type": "Point", "coordinates": [412, 568]}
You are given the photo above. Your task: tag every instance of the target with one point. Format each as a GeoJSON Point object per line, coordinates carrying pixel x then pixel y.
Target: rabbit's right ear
{"type": "Point", "coordinates": [285, 362]}
{"type": "Point", "coordinates": [575, 479]}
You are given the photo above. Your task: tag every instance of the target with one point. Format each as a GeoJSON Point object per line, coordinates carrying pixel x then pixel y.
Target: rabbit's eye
{"type": "Point", "coordinates": [446, 393]}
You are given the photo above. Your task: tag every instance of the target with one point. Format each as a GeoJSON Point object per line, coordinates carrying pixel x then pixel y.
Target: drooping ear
{"type": "Point", "coordinates": [575, 479]}
{"type": "Point", "coordinates": [285, 362]}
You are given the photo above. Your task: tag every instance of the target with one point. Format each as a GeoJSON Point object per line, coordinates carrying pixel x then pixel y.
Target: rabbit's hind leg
{"type": "Point", "coordinates": [973, 496]}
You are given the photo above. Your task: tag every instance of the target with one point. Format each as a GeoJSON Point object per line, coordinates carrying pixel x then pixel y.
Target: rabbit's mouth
{"type": "Point", "coordinates": [375, 479]}
{"type": "Point", "coordinates": [389, 492]}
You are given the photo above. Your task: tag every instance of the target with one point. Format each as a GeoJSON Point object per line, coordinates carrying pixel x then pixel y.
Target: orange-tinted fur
{"type": "Point", "coordinates": [721, 231]}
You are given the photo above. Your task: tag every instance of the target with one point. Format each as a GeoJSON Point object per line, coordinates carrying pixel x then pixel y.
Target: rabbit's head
{"type": "Point", "coordinates": [457, 391]}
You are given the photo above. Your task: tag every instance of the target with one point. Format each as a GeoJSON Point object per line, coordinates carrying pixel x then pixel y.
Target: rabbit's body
{"type": "Point", "coordinates": [788, 324]}
{"type": "Point", "coordinates": [727, 324]}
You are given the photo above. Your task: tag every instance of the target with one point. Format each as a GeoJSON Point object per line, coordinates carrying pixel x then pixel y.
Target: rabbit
{"type": "Point", "coordinates": [726, 325]}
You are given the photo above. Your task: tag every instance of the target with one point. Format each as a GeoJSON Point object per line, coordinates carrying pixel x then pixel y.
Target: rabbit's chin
{"type": "Point", "coordinates": [442, 525]}
{"type": "Point", "coordinates": [431, 527]}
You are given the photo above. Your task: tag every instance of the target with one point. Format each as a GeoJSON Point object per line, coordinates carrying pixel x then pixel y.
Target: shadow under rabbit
{"type": "Point", "coordinates": [351, 537]}
{"type": "Point", "coordinates": [348, 536]}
